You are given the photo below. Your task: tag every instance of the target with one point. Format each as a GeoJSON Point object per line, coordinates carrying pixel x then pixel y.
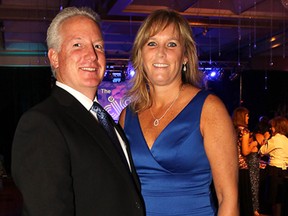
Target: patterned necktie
{"type": "Point", "coordinates": [106, 121]}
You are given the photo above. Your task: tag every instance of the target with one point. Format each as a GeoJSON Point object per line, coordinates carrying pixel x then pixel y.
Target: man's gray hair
{"type": "Point", "coordinates": [54, 39]}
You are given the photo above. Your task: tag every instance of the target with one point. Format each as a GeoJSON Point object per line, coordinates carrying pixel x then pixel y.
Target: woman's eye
{"type": "Point", "coordinates": [77, 45]}
{"type": "Point", "coordinates": [151, 43]}
{"type": "Point", "coordinates": [172, 44]}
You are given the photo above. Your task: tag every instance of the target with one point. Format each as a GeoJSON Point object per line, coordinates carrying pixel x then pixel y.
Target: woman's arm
{"type": "Point", "coordinates": [248, 146]}
{"type": "Point", "coordinates": [267, 147]}
{"type": "Point", "coordinates": [259, 138]}
{"type": "Point", "coordinates": [122, 118]}
{"type": "Point", "coordinates": [221, 149]}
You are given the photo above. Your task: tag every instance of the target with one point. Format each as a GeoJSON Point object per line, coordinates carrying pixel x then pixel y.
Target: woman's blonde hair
{"type": "Point", "coordinates": [156, 22]}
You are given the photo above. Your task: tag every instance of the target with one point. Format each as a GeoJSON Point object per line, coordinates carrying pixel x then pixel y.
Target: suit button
{"type": "Point", "coordinates": [138, 205]}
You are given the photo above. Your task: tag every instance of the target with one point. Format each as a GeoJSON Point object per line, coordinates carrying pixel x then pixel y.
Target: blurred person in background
{"type": "Point", "coordinates": [247, 178]}
{"type": "Point", "coordinates": [277, 169]}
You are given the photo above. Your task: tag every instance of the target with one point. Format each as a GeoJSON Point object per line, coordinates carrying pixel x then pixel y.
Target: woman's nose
{"type": "Point", "coordinates": [161, 51]}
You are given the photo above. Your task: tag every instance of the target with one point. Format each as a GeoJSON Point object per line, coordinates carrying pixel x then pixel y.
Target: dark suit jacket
{"type": "Point", "coordinates": [64, 163]}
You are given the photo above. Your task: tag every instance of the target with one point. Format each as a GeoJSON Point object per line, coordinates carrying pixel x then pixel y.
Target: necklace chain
{"type": "Point", "coordinates": [157, 120]}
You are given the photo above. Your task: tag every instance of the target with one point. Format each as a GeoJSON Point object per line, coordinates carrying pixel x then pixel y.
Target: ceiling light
{"type": "Point", "coordinates": [285, 3]}
{"type": "Point", "coordinates": [205, 30]}
{"type": "Point", "coordinates": [275, 45]}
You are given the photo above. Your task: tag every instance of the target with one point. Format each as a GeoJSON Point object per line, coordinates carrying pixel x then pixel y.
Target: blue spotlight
{"type": "Point", "coordinates": [213, 74]}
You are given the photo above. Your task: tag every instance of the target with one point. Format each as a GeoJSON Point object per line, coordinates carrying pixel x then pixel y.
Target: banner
{"type": "Point", "coordinates": [111, 97]}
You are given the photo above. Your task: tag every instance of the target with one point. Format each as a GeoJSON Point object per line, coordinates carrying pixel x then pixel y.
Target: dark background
{"type": "Point", "coordinates": [262, 92]}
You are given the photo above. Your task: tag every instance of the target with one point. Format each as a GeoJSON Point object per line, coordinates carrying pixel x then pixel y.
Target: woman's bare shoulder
{"type": "Point", "coordinates": [122, 117]}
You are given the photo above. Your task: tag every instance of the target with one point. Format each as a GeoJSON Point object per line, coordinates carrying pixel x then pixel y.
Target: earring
{"type": "Point", "coordinates": [184, 67]}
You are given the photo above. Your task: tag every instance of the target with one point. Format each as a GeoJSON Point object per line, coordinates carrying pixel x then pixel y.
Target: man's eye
{"type": "Point", "coordinates": [151, 44]}
{"type": "Point", "coordinates": [99, 47]}
{"type": "Point", "coordinates": [77, 45]}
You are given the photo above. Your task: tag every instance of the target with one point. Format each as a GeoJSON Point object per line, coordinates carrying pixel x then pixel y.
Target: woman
{"type": "Point", "coordinates": [277, 170]}
{"type": "Point", "coordinates": [181, 137]}
{"type": "Point", "coordinates": [248, 179]}
{"type": "Point", "coordinates": [262, 131]}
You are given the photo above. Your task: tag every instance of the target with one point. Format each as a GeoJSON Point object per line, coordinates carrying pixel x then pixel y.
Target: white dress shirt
{"type": "Point", "coordinates": [87, 103]}
{"type": "Point", "coordinates": [277, 149]}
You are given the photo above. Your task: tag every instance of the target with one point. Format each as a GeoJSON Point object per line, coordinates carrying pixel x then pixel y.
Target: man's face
{"type": "Point", "coordinates": [81, 62]}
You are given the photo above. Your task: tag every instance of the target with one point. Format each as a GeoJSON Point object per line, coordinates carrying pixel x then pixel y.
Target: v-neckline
{"type": "Point", "coordinates": [167, 126]}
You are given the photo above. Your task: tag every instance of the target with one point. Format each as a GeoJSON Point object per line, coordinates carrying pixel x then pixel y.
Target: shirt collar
{"type": "Point", "coordinates": [85, 101]}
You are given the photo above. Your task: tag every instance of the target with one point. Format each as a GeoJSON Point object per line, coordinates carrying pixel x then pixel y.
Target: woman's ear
{"type": "Point", "coordinates": [273, 130]}
{"type": "Point", "coordinates": [185, 60]}
{"type": "Point", "coordinates": [53, 58]}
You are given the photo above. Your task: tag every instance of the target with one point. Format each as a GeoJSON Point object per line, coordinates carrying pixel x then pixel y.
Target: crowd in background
{"type": "Point", "coordinates": [263, 163]}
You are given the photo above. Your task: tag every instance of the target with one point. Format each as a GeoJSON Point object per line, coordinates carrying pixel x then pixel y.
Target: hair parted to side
{"type": "Point", "coordinates": [153, 24]}
{"type": "Point", "coordinates": [239, 115]}
{"type": "Point", "coordinates": [280, 124]}
{"type": "Point", "coordinates": [53, 38]}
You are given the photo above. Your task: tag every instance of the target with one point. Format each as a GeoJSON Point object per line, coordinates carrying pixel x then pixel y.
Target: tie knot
{"type": "Point", "coordinates": [102, 115]}
{"type": "Point", "coordinates": [96, 106]}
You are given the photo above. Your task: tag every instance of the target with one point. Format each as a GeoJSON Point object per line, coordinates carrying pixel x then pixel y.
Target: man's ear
{"type": "Point", "coordinates": [53, 58]}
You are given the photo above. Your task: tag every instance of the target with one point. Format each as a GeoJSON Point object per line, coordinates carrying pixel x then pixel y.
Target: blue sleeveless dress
{"type": "Point", "coordinates": [175, 174]}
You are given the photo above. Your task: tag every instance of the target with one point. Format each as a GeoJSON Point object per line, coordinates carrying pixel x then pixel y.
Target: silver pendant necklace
{"type": "Point", "coordinates": [157, 120]}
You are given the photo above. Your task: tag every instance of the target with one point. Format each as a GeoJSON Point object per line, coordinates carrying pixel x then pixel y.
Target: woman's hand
{"type": "Point", "coordinates": [253, 146]}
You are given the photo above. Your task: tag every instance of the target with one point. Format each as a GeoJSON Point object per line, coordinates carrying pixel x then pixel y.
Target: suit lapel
{"type": "Point", "coordinates": [76, 111]}
{"type": "Point", "coordinates": [133, 170]}
{"type": "Point", "coordinates": [127, 146]}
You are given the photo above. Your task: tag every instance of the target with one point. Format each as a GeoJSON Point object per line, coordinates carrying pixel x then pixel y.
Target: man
{"type": "Point", "coordinates": [63, 161]}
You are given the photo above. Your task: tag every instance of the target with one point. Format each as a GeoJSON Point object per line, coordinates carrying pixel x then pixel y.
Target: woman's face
{"type": "Point", "coordinates": [246, 118]}
{"type": "Point", "coordinates": [163, 57]}
{"type": "Point", "coordinates": [273, 130]}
